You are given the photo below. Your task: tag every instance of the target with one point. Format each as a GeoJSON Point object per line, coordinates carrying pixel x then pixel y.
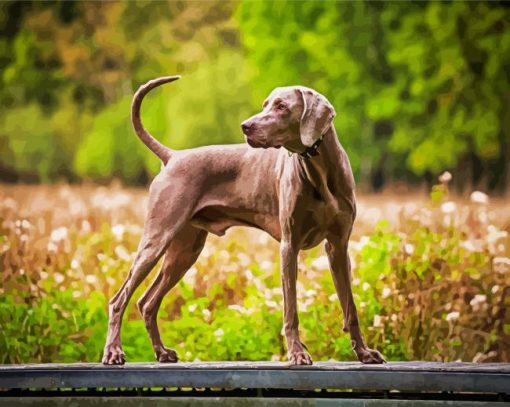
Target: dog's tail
{"type": "Point", "coordinates": [154, 145]}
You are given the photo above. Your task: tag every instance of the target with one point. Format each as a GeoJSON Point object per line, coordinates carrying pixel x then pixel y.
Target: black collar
{"type": "Point", "coordinates": [312, 150]}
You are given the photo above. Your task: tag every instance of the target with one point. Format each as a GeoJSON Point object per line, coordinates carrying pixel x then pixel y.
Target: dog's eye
{"type": "Point", "coordinates": [281, 106]}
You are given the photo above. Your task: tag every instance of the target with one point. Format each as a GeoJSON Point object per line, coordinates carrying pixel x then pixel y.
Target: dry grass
{"type": "Point", "coordinates": [431, 281]}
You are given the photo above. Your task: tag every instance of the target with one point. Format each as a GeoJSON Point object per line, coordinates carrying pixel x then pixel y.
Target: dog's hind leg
{"type": "Point", "coordinates": [165, 218]}
{"type": "Point", "coordinates": [181, 254]}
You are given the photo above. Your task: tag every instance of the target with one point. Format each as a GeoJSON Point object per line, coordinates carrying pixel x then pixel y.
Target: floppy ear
{"type": "Point", "coordinates": [317, 116]}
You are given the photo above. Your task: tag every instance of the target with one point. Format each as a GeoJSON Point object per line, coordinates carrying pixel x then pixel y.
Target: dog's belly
{"type": "Point", "coordinates": [313, 238]}
{"type": "Point", "coordinates": [216, 219]}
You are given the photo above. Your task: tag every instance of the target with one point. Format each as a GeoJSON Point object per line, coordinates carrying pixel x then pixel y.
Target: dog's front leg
{"type": "Point", "coordinates": [296, 352]}
{"type": "Point", "coordinates": [340, 265]}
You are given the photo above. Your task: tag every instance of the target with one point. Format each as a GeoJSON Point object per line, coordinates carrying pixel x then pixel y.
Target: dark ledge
{"type": "Point", "coordinates": [401, 376]}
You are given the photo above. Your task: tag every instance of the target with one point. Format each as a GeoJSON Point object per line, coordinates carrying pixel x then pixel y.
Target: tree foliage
{"type": "Point", "coordinates": [418, 87]}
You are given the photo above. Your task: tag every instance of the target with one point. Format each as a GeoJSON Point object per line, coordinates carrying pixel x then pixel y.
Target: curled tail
{"type": "Point", "coordinates": [154, 145]}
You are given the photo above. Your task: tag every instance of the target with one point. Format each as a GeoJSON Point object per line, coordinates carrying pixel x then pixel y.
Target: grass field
{"type": "Point", "coordinates": [431, 281]}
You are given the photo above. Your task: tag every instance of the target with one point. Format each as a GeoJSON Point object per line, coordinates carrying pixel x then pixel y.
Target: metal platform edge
{"type": "Point", "coordinates": [431, 377]}
{"type": "Point", "coordinates": [242, 402]}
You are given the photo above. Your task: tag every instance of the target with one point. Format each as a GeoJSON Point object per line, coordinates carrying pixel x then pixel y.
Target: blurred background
{"type": "Point", "coordinates": [419, 87]}
{"type": "Point", "coordinates": [421, 90]}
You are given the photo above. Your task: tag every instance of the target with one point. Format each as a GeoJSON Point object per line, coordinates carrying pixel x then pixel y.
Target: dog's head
{"type": "Point", "coordinates": [294, 117]}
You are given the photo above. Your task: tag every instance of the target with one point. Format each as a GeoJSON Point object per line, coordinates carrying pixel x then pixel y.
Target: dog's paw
{"type": "Point", "coordinates": [370, 356]}
{"type": "Point", "coordinates": [166, 355]}
{"type": "Point", "coordinates": [113, 355]}
{"type": "Point", "coordinates": [300, 358]}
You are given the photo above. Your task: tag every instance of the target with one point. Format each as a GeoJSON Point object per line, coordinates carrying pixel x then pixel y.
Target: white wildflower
{"type": "Point", "coordinates": [219, 333]}
{"type": "Point", "coordinates": [321, 263]}
{"type": "Point", "coordinates": [91, 279]}
{"type": "Point", "coordinates": [448, 207]}
{"type": "Point", "coordinates": [452, 316]}
{"type": "Point", "coordinates": [248, 274]}
{"type": "Point", "coordinates": [271, 304]}
{"type": "Point", "coordinates": [238, 308]}
{"type": "Point", "coordinates": [103, 200]}
{"type": "Point", "coordinates": [85, 226]}
{"type": "Point", "coordinates": [377, 321]}
{"type": "Point", "coordinates": [445, 177]}
{"type": "Point", "coordinates": [244, 260]}
{"type": "Point", "coordinates": [59, 234]}
{"type": "Point", "coordinates": [501, 264]}
{"type": "Point", "coordinates": [59, 278]}
{"type": "Point", "coordinates": [478, 299]}
{"type": "Point", "coordinates": [122, 253]}
{"type": "Point", "coordinates": [206, 252]}
{"type": "Point", "coordinates": [357, 246]}
{"type": "Point", "coordinates": [386, 292]}
{"type": "Point", "coordinates": [408, 248]}
{"type": "Point", "coordinates": [206, 313]}
{"type": "Point", "coordinates": [472, 245]}
{"type": "Point", "coordinates": [494, 234]}
{"type": "Point", "coordinates": [189, 277]}
{"type": "Point", "coordinates": [263, 238]}
{"type": "Point", "coordinates": [310, 293]}
{"type": "Point", "coordinates": [479, 197]}
{"type": "Point", "coordinates": [118, 231]}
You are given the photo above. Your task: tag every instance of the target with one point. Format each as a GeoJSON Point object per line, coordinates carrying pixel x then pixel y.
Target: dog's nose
{"type": "Point", "coordinates": [246, 126]}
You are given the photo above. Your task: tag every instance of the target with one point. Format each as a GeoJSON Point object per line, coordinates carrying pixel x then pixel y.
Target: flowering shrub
{"type": "Point", "coordinates": [431, 281]}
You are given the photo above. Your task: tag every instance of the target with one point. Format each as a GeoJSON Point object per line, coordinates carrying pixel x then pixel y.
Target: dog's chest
{"type": "Point", "coordinates": [314, 215]}
{"type": "Point", "coordinates": [311, 222]}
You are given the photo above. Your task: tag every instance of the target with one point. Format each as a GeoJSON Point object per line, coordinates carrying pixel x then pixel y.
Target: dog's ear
{"type": "Point", "coordinates": [317, 116]}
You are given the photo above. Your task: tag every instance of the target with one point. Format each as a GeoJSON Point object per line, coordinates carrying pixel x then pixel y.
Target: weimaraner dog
{"type": "Point", "coordinates": [301, 195]}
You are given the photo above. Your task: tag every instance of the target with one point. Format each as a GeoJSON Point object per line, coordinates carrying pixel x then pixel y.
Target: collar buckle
{"type": "Point", "coordinates": [312, 150]}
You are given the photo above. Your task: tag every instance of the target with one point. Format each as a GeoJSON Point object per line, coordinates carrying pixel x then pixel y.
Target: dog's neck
{"type": "Point", "coordinates": [297, 147]}
{"type": "Point", "coordinates": [311, 151]}
{"type": "Point", "coordinates": [330, 173]}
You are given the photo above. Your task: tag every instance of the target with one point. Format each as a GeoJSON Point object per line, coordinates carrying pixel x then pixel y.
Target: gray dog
{"type": "Point", "coordinates": [300, 195]}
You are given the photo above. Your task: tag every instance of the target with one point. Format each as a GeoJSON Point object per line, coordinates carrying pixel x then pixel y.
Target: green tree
{"type": "Point", "coordinates": [418, 87]}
